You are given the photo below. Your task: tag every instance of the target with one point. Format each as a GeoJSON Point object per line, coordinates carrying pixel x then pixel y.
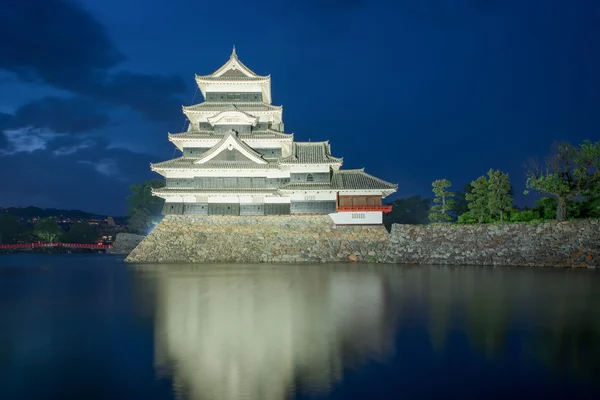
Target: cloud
{"type": "Point", "coordinates": [26, 140]}
{"type": "Point", "coordinates": [61, 44]}
{"type": "Point", "coordinates": [73, 148]}
{"type": "Point", "coordinates": [61, 115]}
{"type": "Point", "coordinates": [105, 166]}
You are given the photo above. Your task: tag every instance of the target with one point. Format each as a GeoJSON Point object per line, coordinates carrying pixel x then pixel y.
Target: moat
{"type": "Point", "coordinates": [90, 326]}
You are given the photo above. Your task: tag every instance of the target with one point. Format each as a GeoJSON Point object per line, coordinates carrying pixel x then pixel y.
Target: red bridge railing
{"type": "Point", "coordinates": [56, 244]}
{"type": "Point", "coordinates": [384, 209]}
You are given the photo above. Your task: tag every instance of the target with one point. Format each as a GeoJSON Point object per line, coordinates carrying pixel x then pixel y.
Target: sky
{"type": "Point", "coordinates": [411, 90]}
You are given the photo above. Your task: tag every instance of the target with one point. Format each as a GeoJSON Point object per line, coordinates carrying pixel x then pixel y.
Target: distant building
{"type": "Point", "coordinates": [237, 160]}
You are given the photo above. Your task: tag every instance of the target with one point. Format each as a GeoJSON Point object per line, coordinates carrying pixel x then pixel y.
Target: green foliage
{"type": "Point", "coordinates": [10, 228]}
{"type": "Point", "coordinates": [461, 205]}
{"type": "Point", "coordinates": [469, 218]}
{"type": "Point", "coordinates": [523, 215]}
{"type": "Point", "coordinates": [478, 199]}
{"type": "Point", "coordinates": [412, 210]}
{"type": "Point", "coordinates": [499, 200]}
{"type": "Point", "coordinates": [144, 209]}
{"type": "Point", "coordinates": [443, 201]}
{"type": "Point", "coordinates": [80, 232]}
{"type": "Point", "coordinates": [569, 172]}
{"type": "Point", "coordinates": [589, 207]}
{"type": "Point", "coordinates": [47, 229]}
{"type": "Point", "coordinates": [546, 208]}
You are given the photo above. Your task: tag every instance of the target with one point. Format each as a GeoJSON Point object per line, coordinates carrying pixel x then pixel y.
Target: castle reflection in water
{"type": "Point", "coordinates": [269, 332]}
{"type": "Point", "coordinates": [255, 334]}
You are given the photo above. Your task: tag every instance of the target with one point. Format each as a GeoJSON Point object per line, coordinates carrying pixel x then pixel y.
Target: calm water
{"type": "Point", "coordinates": [92, 327]}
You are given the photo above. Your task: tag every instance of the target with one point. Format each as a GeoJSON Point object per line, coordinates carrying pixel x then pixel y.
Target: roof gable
{"type": "Point", "coordinates": [229, 143]}
{"type": "Point", "coordinates": [234, 67]}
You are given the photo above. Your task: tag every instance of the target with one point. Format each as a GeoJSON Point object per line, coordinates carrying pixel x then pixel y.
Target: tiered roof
{"type": "Point", "coordinates": [235, 75]}
{"type": "Point", "coordinates": [189, 163]}
{"type": "Point", "coordinates": [311, 153]}
{"type": "Point", "coordinates": [350, 179]}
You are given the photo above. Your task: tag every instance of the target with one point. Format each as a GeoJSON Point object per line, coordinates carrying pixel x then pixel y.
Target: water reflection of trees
{"type": "Point", "coordinates": [552, 316]}
{"type": "Point", "coordinates": [260, 333]}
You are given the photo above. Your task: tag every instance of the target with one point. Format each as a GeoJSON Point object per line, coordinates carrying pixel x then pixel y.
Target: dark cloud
{"type": "Point", "coordinates": [61, 44]}
{"type": "Point", "coordinates": [95, 178]}
{"type": "Point", "coordinates": [61, 115]}
{"type": "Point", "coordinates": [55, 40]}
{"type": "Point", "coordinates": [143, 93]}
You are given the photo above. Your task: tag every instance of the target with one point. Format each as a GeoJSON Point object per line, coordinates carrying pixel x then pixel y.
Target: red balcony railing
{"type": "Point", "coordinates": [55, 244]}
{"type": "Point", "coordinates": [384, 209]}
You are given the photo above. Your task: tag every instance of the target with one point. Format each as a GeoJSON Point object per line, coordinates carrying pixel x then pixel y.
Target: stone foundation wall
{"type": "Point", "coordinates": [252, 239]}
{"type": "Point", "coordinates": [125, 243]}
{"type": "Point", "coordinates": [566, 244]}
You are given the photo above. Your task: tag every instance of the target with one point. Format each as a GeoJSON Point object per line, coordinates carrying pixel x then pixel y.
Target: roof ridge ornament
{"type": "Point", "coordinates": [233, 53]}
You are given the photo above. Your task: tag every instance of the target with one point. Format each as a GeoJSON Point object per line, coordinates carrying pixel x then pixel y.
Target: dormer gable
{"type": "Point", "coordinates": [232, 116]}
{"type": "Point", "coordinates": [231, 143]}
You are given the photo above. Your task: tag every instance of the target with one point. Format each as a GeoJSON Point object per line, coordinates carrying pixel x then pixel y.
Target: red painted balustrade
{"type": "Point", "coordinates": [55, 244]}
{"type": "Point", "coordinates": [384, 209]}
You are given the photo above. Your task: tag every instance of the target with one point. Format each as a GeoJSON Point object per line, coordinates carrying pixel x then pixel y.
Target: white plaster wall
{"type": "Point", "coordinates": [316, 195]}
{"type": "Point", "coordinates": [230, 199]}
{"type": "Point", "coordinates": [357, 218]}
{"type": "Point", "coordinates": [263, 116]}
{"type": "Point", "coordinates": [233, 87]}
{"type": "Point", "coordinates": [308, 168]}
{"type": "Point", "coordinates": [277, 200]}
{"type": "Point", "coordinates": [223, 199]}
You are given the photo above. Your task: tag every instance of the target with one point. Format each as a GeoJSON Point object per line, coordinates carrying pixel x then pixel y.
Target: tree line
{"type": "Point", "coordinates": [46, 230]}
{"type": "Point", "coordinates": [570, 177]}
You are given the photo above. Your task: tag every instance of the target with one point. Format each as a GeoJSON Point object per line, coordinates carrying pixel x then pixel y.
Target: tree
{"type": "Point", "coordinates": [144, 209]}
{"type": "Point", "coordinates": [80, 232]}
{"type": "Point", "coordinates": [589, 207]}
{"type": "Point", "coordinates": [412, 210]}
{"type": "Point", "coordinates": [478, 199]}
{"type": "Point", "coordinates": [499, 199]}
{"type": "Point", "coordinates": [461, 204]}
{"type": "Point", "coordinates": [10, 228]}
{"type": "Point", "coordinates": [47, 229]}
{"type": "Point", "coordinates": [569, 172]}
{"type": "Point", "coordinates": [443, 201]}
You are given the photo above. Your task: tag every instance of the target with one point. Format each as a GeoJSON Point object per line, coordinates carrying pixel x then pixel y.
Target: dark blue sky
{"type": "Point", "coordinates": [413, 90]}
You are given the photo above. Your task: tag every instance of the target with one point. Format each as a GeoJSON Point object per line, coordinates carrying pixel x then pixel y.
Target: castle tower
{"type": "Point", "coordinates": [237, 160]}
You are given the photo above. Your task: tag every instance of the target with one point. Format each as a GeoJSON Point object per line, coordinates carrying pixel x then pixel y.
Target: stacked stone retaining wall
{"type": "Point", "coordinates": [125, 243]}
{"type": "Point", "coordinates": [566, 244]}
{"type": "Point", "coordinates": [253, 239]}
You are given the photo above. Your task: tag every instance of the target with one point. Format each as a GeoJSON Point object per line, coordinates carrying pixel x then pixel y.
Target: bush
{"type": "Point", "coordinates": [524, 216]}
{"type": "Point", "coordinates": [468, 218]}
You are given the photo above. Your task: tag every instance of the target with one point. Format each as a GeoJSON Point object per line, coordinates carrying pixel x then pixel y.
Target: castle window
{"type": "Point", "coordinates": [310, 178]}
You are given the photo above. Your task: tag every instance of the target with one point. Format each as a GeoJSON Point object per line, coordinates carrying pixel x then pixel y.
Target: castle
{"type": "Point", "coordinates": [237, 160]}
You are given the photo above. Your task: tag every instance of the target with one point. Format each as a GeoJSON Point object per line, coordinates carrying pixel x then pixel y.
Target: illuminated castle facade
{"type": "Point", "coordinates": [238, 160]}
